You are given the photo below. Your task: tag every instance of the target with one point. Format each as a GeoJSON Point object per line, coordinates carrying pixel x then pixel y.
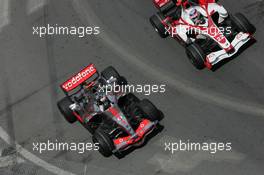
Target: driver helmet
{"type": "Point", "coordinates": [195, 16]}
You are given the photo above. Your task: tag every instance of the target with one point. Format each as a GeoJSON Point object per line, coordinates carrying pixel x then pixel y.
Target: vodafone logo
{"type": "Point", "coordinates": [79, 78]}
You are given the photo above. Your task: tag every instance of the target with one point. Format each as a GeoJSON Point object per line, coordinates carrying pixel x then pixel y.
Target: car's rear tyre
{"type": "Point", "coordinates": [243, 24]}
{"type": "Point", "coordinates": [63, 106]}
{"type": "Point", "coordinates": [149, 110]}
{"type": "Point", "coordinates": [156, 22]}
{"type": "Point", "coordinates": [109, 72]}
{"type": "Point", "coordinates": [196, 55]}
{"type": "Point", "coordinates": [105, 143]}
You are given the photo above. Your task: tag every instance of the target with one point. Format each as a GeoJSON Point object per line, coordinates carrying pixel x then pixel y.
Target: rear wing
{"type": "Point", "coordinates": [79, 78]}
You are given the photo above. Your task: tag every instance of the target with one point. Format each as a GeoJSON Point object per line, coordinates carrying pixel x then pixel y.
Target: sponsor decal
{"type": "Point", "coordinates": [239, 36]}
{"type": "Point", "coordinates": [76, 80]}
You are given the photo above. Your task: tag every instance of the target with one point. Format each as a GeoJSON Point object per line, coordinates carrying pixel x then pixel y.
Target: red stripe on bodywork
{"type": "Point", "coordinates": [113, 111]}
{"type": "Point", "coordinates": [116, 114]}
{"type": "Point", "coordinates": [78, 117]}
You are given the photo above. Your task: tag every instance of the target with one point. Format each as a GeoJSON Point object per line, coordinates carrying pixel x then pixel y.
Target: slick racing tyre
{"type": "Point", "coordinates": [196, 55]}
{"type": "Point", "coordinates": [243, 24]}
{"type": "Point", "coordinates": [109, 72]}
{"type": "Point", "coordinates": [105, 143]}
{"type": "Point", "coordinates": [156, 22]}
{"type": "Point", "coordinates": [149, 111]}
{"type": "Point", "coordinates": [63, 106]}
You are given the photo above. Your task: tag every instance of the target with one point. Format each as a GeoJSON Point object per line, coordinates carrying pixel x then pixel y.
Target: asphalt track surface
{"type": "Point", "coordinates": [202, 106]}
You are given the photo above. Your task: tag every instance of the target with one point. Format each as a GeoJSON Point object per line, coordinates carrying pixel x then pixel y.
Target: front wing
{"type": "Point", "coordinates": [215, 57]}
{"type": "Point", "coordinates": [145, 128]}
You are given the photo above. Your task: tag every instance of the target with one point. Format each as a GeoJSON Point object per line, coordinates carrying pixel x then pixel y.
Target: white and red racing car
{"type": "Point", "coordinates": [117, 119]}
{"type": "Point", "coordinates": [204, 28]}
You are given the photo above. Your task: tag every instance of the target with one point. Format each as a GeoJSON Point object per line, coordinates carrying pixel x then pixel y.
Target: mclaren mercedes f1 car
{"type": "Point", "coordinates": [206, 30]}
{"type": "Point", "coordinates": [116, 119]}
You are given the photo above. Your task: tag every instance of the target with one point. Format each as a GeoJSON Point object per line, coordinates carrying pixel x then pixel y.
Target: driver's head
{"type": "Point", "coordinates": [195, 16]}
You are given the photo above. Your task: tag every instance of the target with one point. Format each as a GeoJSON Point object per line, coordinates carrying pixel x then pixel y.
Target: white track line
{"type": "Point", "coordinates": [35, 5]}
{"type": "Point", "coordinates": [10, 160]}
{"type": "Point", "coordinates": [4, 13]}
{"type": "Point", "coordinates": [31, 157]}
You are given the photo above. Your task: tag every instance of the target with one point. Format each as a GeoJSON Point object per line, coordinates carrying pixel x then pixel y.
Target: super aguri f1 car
{"type": "Point", "coordinates": [117, 119]}
{"type": "Point", "coordinates": [204, 28]}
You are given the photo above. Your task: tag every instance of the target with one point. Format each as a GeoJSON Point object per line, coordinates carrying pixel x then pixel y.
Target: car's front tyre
{"type": "Point", "coordinates": [105, 143]}
{"type": "Point", "coordinates": [196, 55]}
{"type": "Point", "coordinates": [242, 23]}
{"type": "Point", "coordinates": [149, 110]}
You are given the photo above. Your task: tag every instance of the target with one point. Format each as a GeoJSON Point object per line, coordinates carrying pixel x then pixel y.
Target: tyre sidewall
{"type": "Point", "coordinates": [149, 110]}
{"type": "Point", "coordinates": [155, 21]}
{"type": "Point", "coordinates": [196, 55]}
{"type": "Point", "coordinates": [106, 145]}
{"type": "Point", "coordinates": [63, 106]}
